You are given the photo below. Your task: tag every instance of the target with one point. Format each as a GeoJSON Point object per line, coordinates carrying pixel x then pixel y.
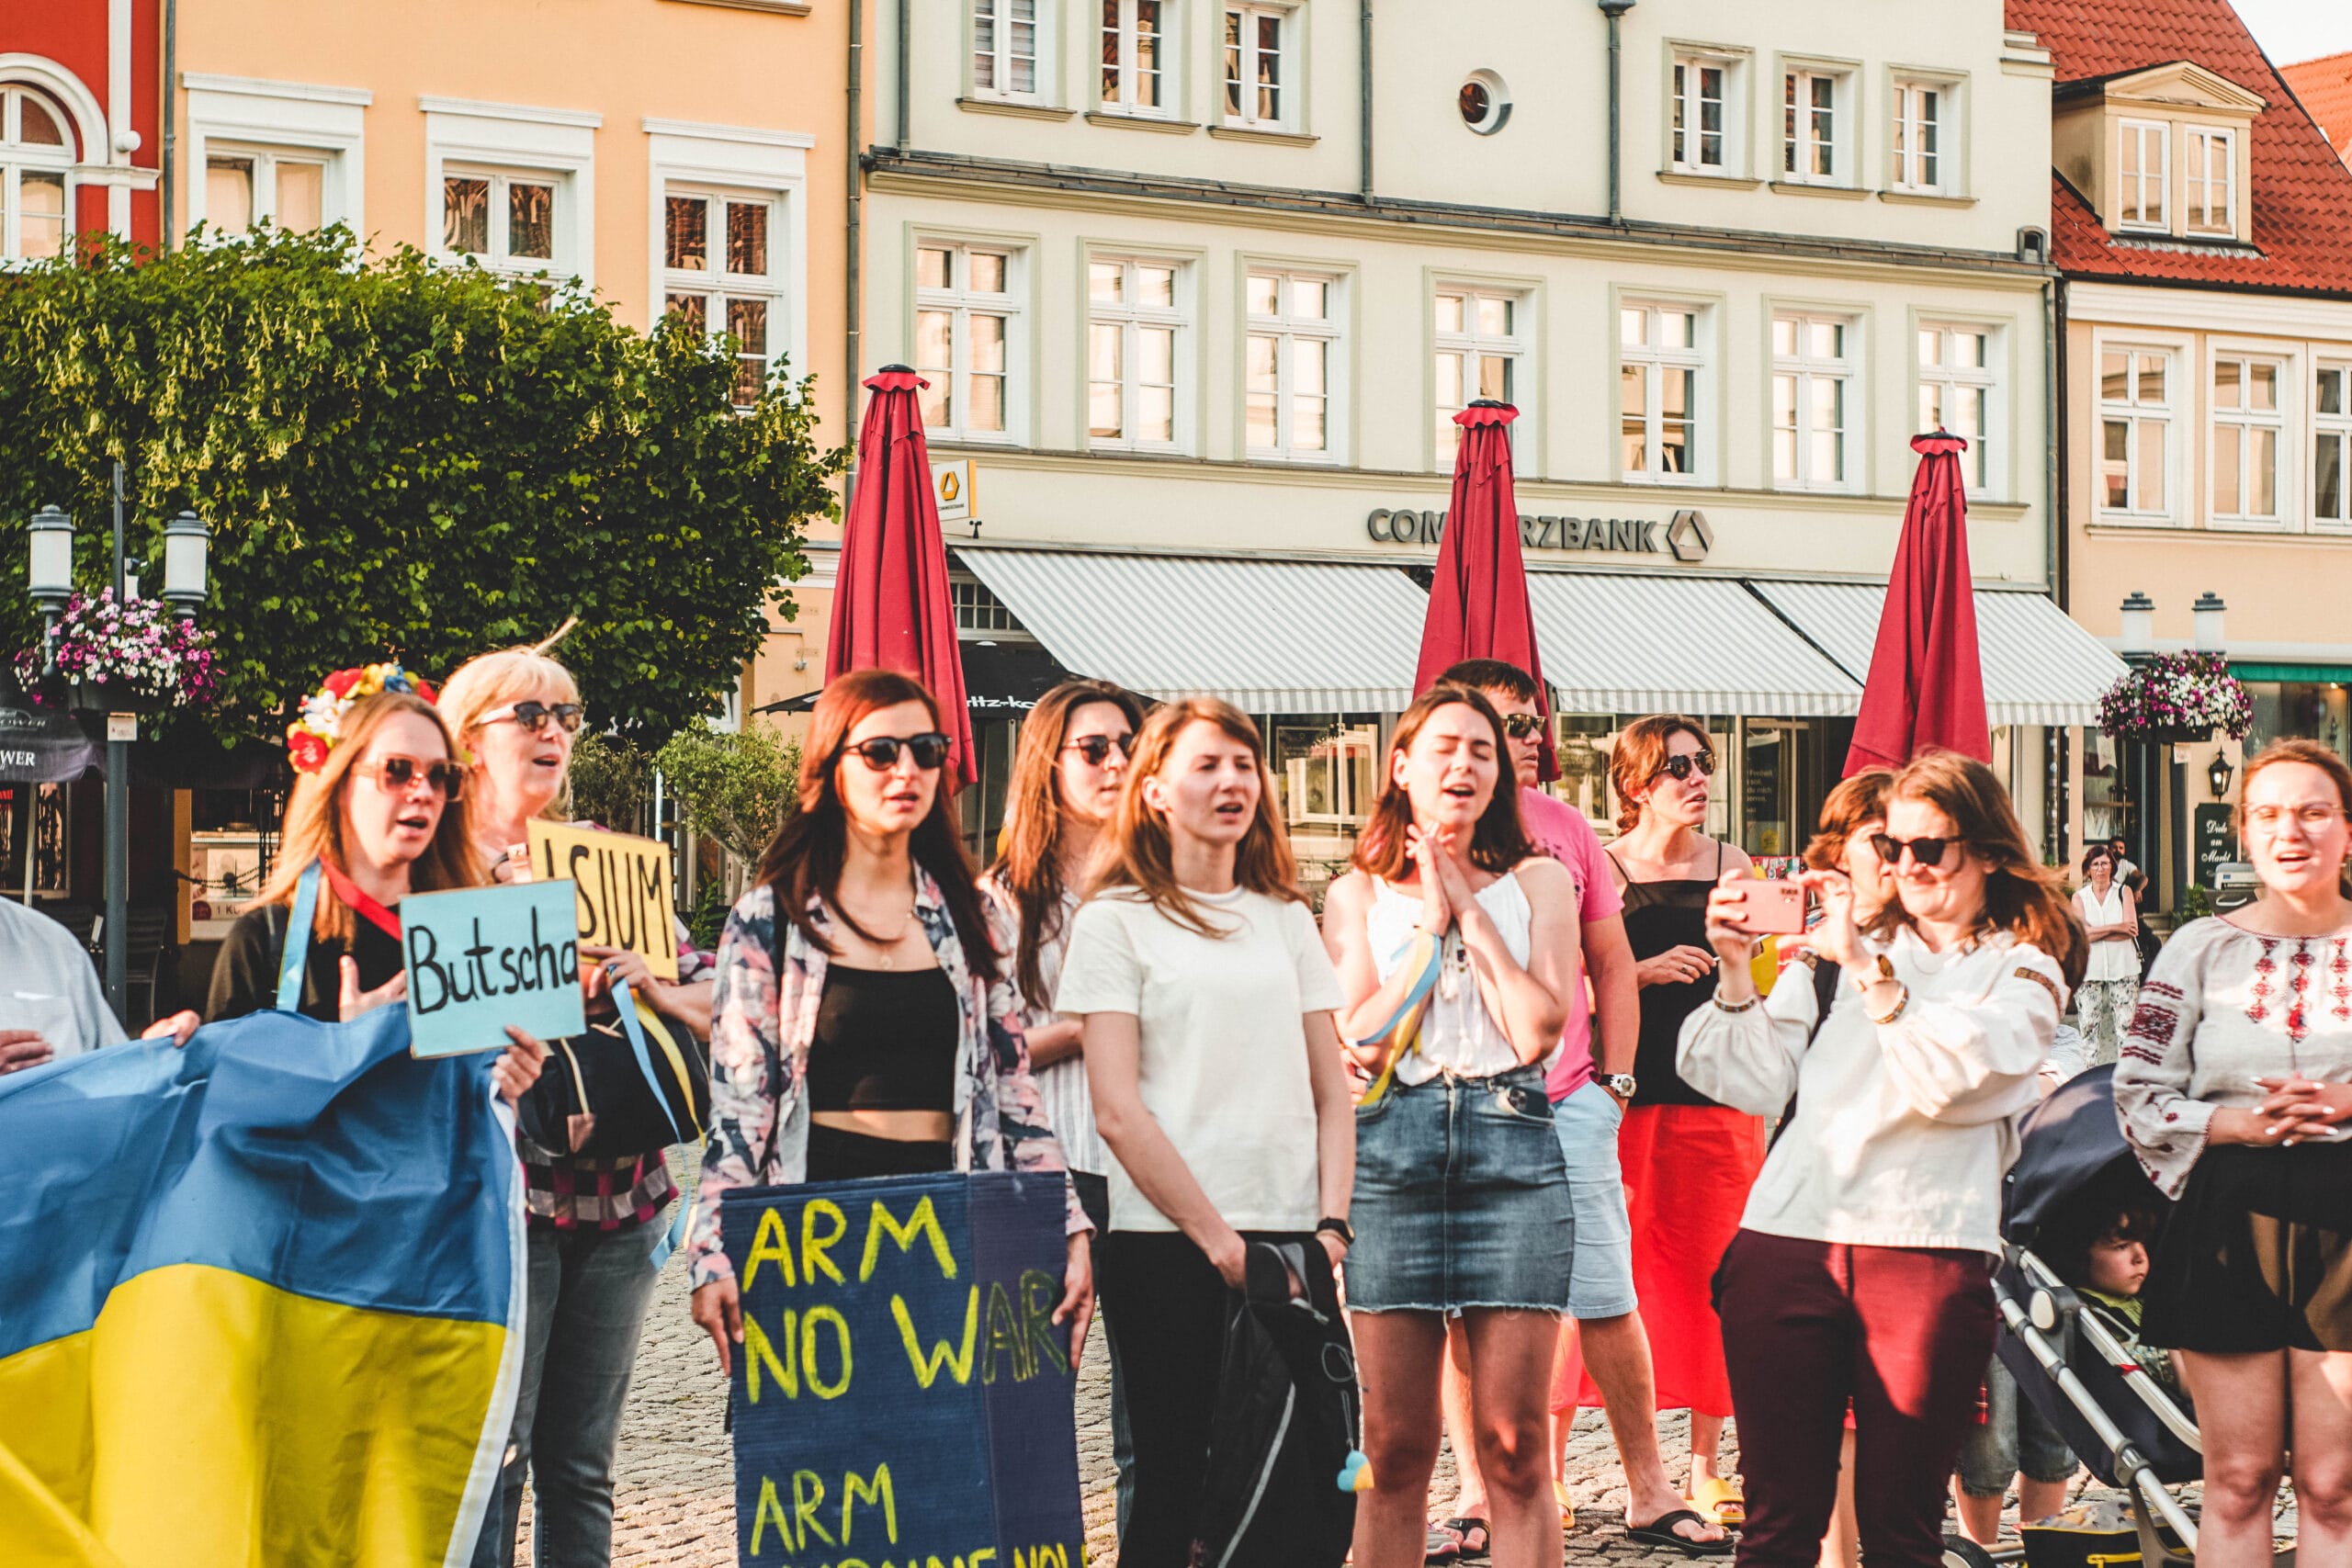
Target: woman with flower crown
{"type": "Point", "coordinates": [379, 809]}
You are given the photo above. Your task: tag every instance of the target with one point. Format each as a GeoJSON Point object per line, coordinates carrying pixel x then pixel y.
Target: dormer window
{"type": "Point", "coordinates": [2211, 167]}
{"type": "Point", "coordinates": [2163, 152]}
{"type": "Point", "coordinates": [2146, 176]}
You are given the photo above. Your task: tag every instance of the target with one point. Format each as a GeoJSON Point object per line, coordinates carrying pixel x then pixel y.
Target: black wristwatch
{"type": "Point", "coordinates": [1341, 1228]}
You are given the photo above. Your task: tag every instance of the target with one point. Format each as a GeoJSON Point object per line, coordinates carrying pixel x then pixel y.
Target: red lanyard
{"type": "Point", "coordinates": [375, 914]}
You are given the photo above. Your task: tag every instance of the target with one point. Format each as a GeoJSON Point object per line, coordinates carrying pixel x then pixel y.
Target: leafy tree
{"type": "Point", "coordinates": [612, 782]}
{"type": "Point", "coordinates": [734, 788]}
{"type": "Point", "coordinates": [399, 455]}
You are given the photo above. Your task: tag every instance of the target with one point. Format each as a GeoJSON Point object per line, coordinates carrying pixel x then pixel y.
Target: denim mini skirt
{"type": "Point", "coordinates": [1461, 1199]}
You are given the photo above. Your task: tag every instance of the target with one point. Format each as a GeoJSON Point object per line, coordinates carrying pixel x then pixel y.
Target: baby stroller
{"type": "Point", "coordinates": [2123, 1423]}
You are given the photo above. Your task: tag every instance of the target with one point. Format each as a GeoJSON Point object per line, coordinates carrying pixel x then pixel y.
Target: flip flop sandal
{"type": "Point", "coordinates": [1461, 1529]}
{"type": "Point", "coordinates": [1567, 1505]}
{"type": "Point", "coordinates": [1659, 1532]}
{"type": "Point", "coordinates": [1441, 1546]}
{"type": "Point", "coordinates": [1722, 1500]}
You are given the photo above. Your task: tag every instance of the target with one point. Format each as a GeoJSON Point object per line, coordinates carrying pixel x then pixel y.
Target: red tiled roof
{"type": "Point", "coordinates": [2301, 201]}
{"type": "Point", "coordinates": [2326, 86]}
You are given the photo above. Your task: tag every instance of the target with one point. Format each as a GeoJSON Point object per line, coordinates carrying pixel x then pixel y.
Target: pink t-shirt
{"type": "Point", "coordinates": [1561, 831]}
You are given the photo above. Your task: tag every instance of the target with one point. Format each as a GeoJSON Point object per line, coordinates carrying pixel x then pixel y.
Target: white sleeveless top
{"type": "Point", "coordinates": [1458, 1035]}
{"type": "Point", "coordinates": [2114, 957]}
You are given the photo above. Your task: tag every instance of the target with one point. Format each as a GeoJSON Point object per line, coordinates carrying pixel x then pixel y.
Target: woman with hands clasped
{"type": "Point", "coordinates": [1861, 1270]}
{"type": "Point", "coordinates": [2234, 1086]}
{"type": "Point", "coordinates": [1460, 1197]}
{"type": "Point", "coordinates": [1206, 1002]}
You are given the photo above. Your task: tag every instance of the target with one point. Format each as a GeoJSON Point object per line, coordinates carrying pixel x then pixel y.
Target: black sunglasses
{"type": "Point", "coordinates": [1520, 726]}
{"type": "Point", "coordinates": [1679, 768]}
{"type": "Point", "coordinates": [1097, 749]}
{"type": "Point", "coordinates": [534, 716]}
{"type": "Point", "coordinates": [1927, 852]}
{"type": "Point", "coordinates": [881, 753]}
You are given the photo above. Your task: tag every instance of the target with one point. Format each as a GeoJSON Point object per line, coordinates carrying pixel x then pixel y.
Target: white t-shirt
{"type": "Point", "coordinates": [1224, 1067]}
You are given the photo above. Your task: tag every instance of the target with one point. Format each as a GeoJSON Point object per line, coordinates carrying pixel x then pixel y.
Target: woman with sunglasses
{"type": "Point", "coordinates": [378, 808]}
{"type": "Point", "coordinates": [592, 1219]}
{"type": "Point", "coordinates": [2111, 988]}
{"type": "Point", "coordinates": [1861, 1270]}
{"type": "Point", "coordinates": [1066, 777]}
{"type": "Point", "coordinates": [2236, 1091]}
{"type": "Point", "coordinates": [865, 1024]}
{"type": "Point", "coordinates": [1688, 1160]}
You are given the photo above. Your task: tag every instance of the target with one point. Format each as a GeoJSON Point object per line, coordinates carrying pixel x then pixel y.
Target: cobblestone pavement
{"type": "Point", "coordinates": [675, 1503]}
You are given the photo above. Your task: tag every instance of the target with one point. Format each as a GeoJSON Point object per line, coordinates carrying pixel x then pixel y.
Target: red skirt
{"type": "Point", "coordinates": [1688, 1169]}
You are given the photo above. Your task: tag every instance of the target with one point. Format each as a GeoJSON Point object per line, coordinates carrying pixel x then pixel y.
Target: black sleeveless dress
{"type": "Point", "coordinates": [1661, 916]}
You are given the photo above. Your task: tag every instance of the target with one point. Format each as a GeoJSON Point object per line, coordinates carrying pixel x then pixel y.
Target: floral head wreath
{"type": "Point", "coordinates": [309, 738]}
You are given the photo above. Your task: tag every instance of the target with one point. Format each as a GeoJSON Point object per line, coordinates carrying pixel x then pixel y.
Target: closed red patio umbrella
{"type": "Point", "coordinates": [1927, 682]}
{"type": "Point", "coordinates": [891, 609]}
{"type": "Point", "coordinates": [1478, 605]}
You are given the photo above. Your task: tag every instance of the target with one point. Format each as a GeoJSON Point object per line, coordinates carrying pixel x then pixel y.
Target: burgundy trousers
{"type": "Point", "coordinates": [1904, 1333]}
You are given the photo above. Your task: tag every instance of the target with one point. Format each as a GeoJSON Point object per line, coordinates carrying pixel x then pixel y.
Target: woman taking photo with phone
{"type": "Point", "coordinates": [1206, 1000]}
{"type": "Point", "coordinates": [864, 1022]}
{"type": "Point", "coordinates": [1462, 1192]}
{"type": "Point", "coordinates": [2234, 1088]}
{"type": "Point", "coordinates": [1688, 1160]}
{"type": "Point", "coordinates": [2111, 988]}
{"type": "Point", "coordinates": [1861, 1271]}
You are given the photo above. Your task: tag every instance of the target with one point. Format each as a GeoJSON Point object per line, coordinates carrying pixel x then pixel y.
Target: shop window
{"type": "Point", "coordinates": [1004, 49]}
{"type": "Point", "coordinates": [36, 173]}
{"type": "Point", "coordinates": [2135, 434]}
{"type": "Point", "coordinates": [1659, 361]}
{"type": "Point", "coordinates": [44, 813]}
{"type": "Point", "coordinates": [720, 274]}
{"type": "Point", "coordinates": [1291, 367]}
{"type": "Point", "coordinates": [2247, 425]}
{"type": "Point", "coordinates": [1134, 51]}
{"type": "Point", "coordinates": [1326, 780]}
{"type": "Point", "coordinates": [1814, 366]}
{"type": "Point", "coordinates": [2312, 710]}
{"type": "Point", "coordinates": [1956, 394]}
{"type": "Point", "coordinates": [1135, 346]}
{"type": "Point", "coordinates": [967, 311]}
{"type": "Point", "coordinates": [1479, 347]}
{"type": "Point", "coordinates": [2332, 446]}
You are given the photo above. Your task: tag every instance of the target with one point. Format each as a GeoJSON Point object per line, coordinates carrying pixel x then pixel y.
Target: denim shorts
{"type": "Point", "coordinates": [1461, 1199]}
{"type": "Point", "coordinates": [1600, 1238]}
{"type": "Point", "coordinates": [2013, 1437]}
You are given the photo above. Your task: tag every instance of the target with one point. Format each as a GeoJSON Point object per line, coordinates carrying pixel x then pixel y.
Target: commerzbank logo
{"type": "Point", "coordinates": [1686, 536]}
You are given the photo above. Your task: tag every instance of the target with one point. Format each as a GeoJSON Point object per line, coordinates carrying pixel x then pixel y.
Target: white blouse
{"type": "Point", "coordinates": [1459, 1034]}
{"type": "Point", "coordinates": [2114, 957]}
{"type": "Point", "coordinates": [1903, 1129]}
{"type": "Point", "coordinates": [2223, 1008]}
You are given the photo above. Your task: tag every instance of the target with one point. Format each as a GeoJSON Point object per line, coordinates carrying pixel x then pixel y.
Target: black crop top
{"type": "Point", "coordinates": [884, 1041]}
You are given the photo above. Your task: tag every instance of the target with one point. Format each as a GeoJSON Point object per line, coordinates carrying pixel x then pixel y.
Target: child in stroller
{"type": "Point", "coordinates": [2105, 1261]}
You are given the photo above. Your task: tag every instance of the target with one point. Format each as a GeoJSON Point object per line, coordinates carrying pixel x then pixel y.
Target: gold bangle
{"type": "Point", "coordinates": [1900, 1003]}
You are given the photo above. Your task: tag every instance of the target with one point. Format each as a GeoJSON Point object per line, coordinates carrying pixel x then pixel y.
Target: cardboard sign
{"type": "Point", "coordinates": [481, 958]}
{"type": "Point", "coordinates": [624, 889]}
{"type": "Point", "coordinates": [901, 1394]}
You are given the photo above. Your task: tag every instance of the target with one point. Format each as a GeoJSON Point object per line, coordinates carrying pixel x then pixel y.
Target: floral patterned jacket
{"type": "Point", "coordinates": [761, 1023]}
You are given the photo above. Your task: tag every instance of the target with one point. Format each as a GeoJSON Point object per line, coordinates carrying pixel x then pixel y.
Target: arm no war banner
{"type": "Point", "coordinates": [902, 1398]}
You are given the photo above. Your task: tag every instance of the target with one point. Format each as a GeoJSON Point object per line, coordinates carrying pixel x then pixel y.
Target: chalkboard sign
{"type": "Point", "coordinates": [2216, 839]}
{"type": "Point", "coordinates": [901, 1394]}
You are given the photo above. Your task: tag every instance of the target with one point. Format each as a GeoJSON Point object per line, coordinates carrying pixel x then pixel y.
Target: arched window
{"type": "Point", "coordinates": [35, 176]}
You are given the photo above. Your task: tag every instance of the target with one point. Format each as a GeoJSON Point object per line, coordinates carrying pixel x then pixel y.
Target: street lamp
{"type": "Point", "coordinates": [2139, 626]}
{"type": "Point", "coordinates": [2207, 616]}
{"type": "Point", "coordinates": [48, 573]}
{"type": "Point", "coordinates": [2217, 774]}
{"type": "Point", "coordinates": [186, 544]}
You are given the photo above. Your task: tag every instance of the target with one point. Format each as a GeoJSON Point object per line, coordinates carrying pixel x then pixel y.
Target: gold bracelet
{"type": "Point", "coordinates": [1900, 1003]}
{"type": "Point", "coordinates": [1723, 1005]}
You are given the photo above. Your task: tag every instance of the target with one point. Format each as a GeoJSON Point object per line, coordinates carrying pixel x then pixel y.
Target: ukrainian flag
{"type": "Point", "coordinates": [261, 1301]}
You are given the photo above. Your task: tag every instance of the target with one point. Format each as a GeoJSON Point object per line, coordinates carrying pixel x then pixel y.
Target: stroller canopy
{"type": "Point", "coordinates": [2073, 1152]}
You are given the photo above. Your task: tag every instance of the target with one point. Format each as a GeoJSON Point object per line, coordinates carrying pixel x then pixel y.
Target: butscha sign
{"type": "Point", "coordinates": [481, 958]}
{"type": "Point", "coordinates": [622, 884]}
{"type": "Point", "coordinates": [902, 1397]}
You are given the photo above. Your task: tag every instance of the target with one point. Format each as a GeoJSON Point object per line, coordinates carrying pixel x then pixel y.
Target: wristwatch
{"type": "Point", "coordinates": [1341, 1228]}
{"type": "Point", "coordinates": [1619, 1084]}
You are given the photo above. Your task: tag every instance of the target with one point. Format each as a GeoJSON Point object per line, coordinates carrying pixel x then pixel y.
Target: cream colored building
{"type": "Point", "coordinates": [1197, 293]}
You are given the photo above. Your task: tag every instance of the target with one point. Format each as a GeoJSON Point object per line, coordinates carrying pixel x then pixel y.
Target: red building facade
{"type": "Point", "coordinates": [81, 122]}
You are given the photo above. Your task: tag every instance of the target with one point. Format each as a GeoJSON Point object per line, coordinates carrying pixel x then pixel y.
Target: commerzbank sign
{"type": "Point", "coordinates": [1685, 536]}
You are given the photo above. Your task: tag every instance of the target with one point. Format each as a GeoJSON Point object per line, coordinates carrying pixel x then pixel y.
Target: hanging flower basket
{"type": "Point", "coordinates": [2178, 697]}
{"type": "Point", "coordinates": [135, 655]}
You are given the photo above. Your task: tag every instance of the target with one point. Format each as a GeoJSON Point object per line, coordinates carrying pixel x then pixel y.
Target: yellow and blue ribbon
{"type": "Point", "coordinates": [1402, 1033]}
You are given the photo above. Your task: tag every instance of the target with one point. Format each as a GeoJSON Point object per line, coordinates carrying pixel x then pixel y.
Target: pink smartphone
{"type": "Point", "coordinates": [1775, 906]}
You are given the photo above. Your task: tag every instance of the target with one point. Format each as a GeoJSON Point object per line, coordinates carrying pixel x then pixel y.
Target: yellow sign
{"type": "Point", "coordinates": [621, 886]}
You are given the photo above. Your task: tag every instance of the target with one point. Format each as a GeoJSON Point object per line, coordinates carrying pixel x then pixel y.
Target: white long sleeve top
{"type": "Point", "coordinates": [1903, 1129]}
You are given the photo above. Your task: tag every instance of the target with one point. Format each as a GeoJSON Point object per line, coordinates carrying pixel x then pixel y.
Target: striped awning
{"type": "Point", "coordinates": [1268, 636]}
{"type": "Point", "coordinates": [1696, 645]}
{"type": "Point", "coordinates": [2040, 667]}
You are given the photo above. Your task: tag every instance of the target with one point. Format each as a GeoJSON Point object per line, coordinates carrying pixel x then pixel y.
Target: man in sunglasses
{"type": "Point", "coordinates": [1581, 1081]}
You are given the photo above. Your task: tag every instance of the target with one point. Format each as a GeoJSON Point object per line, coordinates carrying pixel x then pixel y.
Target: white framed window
{"type": "Point", "coordinates": [722, 272]}
{"type": "Point", "coordinates": [2332, 446]}
{"type": "Point", "coordinates": [1956, 393]}
{"type": "Point", "coordinates": [1813, 433]}
{"type": "Point", "coordinates": [1135, 56]}
{"type": "Point", "coordinates": [2247, 425]}
{"type": "Point", "coordinates": [1290, 366]}
{"type": "Point", "coordinates": [290, 151]}
{"type": "Point", "coordinates": [244, 185]}
{"type": "Point", "coordinates": [1005, 41]}
{"type": "Point", "coordinates": [1660, 359]}
{"type": "Point", "coordinates": [2144, 175]}
{"type": "Point", "coordinates": [1922, 112]}
{"type": "Point", "coordinates": [1137, 321]}
{"type": "Point", "coordinates": [2212, 177]}
{"type": "Point", "coordinates": [1700, 133]}
{"type": "Point", "coordinates": [512, 186]}
{"type": "Point", "coordinates": [2135, 412]}
{"type": "Point", "coordinates": [35, 176]}
{"type": "Point", "coordinates": [1813, 130]}
{"type": "Point", "coordinates": [1480, 342]}
{"type": "Point", "coordinates": [965, 315]}
{"type": "Point", "coordinates": [504, 219]}
{"type": "Point", "coordinates": [1257, 42]}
